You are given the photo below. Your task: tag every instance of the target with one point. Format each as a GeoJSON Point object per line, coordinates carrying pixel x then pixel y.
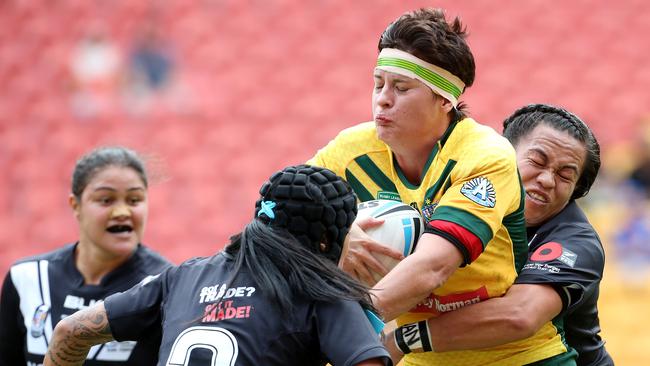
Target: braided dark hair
{"type": "Point", "coordinates": [312, 203]}
{"type": "Point", "coordinates": [524, 120]}
{"type": "Point", "coordinates": [300, 207]}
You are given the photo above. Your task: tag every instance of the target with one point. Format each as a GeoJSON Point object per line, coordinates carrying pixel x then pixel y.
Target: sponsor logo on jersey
{"type": "Point", "coordinates": [225, 310]}
{"type": "Point", "coordinates": [37, 328]}
{"type": "Point", "coordinates": [216, 292]}
{"type": "Point", "coordinates": [78, 303]}
{"type": "Point", "coordinates": [541, 267]}
{"type": "Point", "coordinates": [428, 209]}
{"type": "Point", "coordinates": [481, 191]}
{"type": "Point", "coordinates": [438, 304]}
{"type": "Point", "coordinates": [385, 195]}
{"type": "Point", "coordinates": [221, 308]}
{"type": "Point", "coordinates": [113, 351]}
{"type": "Point", "coordinates": [568, 257]}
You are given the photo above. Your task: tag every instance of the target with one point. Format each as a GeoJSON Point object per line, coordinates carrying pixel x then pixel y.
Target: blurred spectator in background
{"type": "Point", "coordinates": [640, 175]}
{"type": "Point", "coordinates": [96, 73]}
{"type": "Point", "coordinates": [632, 236]}
{"type": "Point", "coordinates": [109, 200]}
{"type": "Point", "coordinates": [150, 60]}
{"type": "Point", "coordinates": [632, 244]}
{"type": "Point", "coordinates": [150, 70]}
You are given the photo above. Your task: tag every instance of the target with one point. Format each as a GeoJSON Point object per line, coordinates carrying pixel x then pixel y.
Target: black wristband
{"type": "Point", "coordinates": [414, 336]}
{"type": "Point", "coordinates": [399, 340]}
{"type": "Point", "coordinates": [423, 326]}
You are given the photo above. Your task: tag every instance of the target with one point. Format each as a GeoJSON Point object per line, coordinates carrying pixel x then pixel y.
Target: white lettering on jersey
{"type": "Point", "coordinates": [212, 293]}
{"type": "Point", "coordinates": [115, 351]}
{"type": "Point", "coordinates": [219, 341]}
{"type": "Point", "coordinates": [77, 303]}
{"type": "Point", "coordinates": [456, 304]}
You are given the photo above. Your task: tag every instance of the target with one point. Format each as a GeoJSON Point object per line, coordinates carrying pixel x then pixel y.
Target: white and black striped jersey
{"type": "Point", "coordinates": [206, 320]}
{"type": "Point", "coordinates": [41, 290]}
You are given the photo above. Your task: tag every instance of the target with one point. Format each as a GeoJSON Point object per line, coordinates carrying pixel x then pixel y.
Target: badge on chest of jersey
{"type": "Point", "coordinates": [38, 320]}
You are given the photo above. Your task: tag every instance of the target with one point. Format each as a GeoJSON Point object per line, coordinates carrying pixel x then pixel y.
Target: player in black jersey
{"type": "Point", "coordinates": [273, 296]}
{"type": "Point", "coordinates": [558, 158]}
{"type": "Point", "coordinates": [109, 199]}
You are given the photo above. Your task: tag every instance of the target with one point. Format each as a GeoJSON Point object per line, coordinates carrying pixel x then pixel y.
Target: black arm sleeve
{"type": "Point", "coordinates": [571, 260]}
{"type": "Point", "coordinates": [135, 314]}
{"type": "Point", "coordinates": [12, 331]}
{"type": "Point", "coordinates": [346, 335]}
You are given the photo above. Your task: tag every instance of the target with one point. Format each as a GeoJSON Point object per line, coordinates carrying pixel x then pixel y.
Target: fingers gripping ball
{"type": "Point", "coordinates": [401, 230]}
{"type": "Point", "coordinates": [312, 203]}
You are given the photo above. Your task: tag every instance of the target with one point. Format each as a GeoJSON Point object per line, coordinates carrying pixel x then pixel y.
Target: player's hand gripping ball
{"type": "Point", "coordinates": [402, 227]}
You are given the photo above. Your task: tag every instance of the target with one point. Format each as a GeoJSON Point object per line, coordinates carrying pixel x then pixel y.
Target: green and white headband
{"type": "Point", "coordinates": [441, 81]}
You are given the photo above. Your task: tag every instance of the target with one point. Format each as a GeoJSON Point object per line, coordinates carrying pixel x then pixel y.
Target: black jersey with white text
{"type": "Point", "coordinates": [567, 253]}
{"type": "Point", "coordinates": [206, 320]}
{"type": "Point", "coordinates": [40, 291]}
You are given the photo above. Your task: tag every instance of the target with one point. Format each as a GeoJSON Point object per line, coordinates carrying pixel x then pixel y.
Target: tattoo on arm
{"type": "Point", "coordinates": [74, 336]}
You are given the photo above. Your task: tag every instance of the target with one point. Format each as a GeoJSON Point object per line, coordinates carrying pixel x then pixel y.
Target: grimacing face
{"type": "Point", "coordinates": [550, 163]}
{"type": "Point", "coordinates": [112, 213]}
{"type": "Point", "coordinates": [406, 112]}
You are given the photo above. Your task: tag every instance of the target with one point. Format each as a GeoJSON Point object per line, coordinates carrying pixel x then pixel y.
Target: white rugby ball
{"type": "Point", "coordinates": [402, 227]}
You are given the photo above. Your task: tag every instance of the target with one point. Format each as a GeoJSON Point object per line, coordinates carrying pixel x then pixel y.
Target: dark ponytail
{"type": "Point", "coordinates": [292, 246]}
{"type": "Point", "coordinates": [284, 268]}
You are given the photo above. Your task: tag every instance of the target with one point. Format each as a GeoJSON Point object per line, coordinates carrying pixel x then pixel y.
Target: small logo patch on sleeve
{"type": "Point", "coordinates": [481, 191]}
{"type": "Point", "coordinates": [568, 257]}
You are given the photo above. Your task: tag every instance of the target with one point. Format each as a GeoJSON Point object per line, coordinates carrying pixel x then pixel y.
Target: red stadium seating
{"type": "Point", "coordinates": [258, 85]}
{"type": "Point", "coordinates": [264, 84]}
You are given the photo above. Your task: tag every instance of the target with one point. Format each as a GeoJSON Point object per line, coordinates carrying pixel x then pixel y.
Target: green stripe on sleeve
{"type": "Point", "coordinates": [515, 224]}
{"type": "Point", "coordinates": [447, 186]}
{"type": "Point", "coordinates": [433, 190]}
{"type": "Point", "coordinates": [465, 219]}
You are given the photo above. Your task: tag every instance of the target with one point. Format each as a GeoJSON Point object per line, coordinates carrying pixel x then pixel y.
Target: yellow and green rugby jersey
{"type": "Point", "coordinates": [470, 179]}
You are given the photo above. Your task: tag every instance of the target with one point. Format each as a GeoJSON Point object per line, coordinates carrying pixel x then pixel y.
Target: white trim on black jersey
{"type": "Point", "coordinates": [32, 283]}
{"type": "Point", "coordinates": [43, 290]}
